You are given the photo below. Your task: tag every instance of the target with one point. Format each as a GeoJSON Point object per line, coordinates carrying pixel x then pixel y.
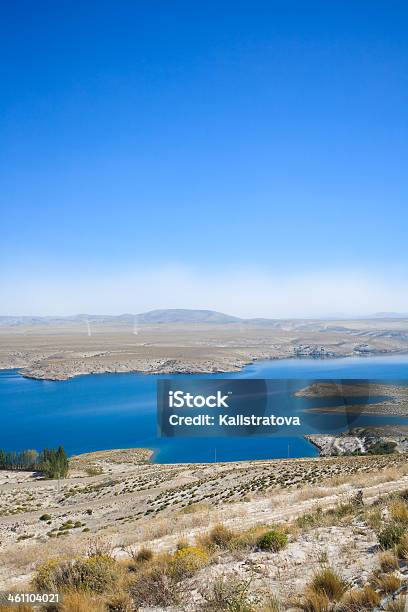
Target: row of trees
{"type": "Point", "coordinates": [52, 462]}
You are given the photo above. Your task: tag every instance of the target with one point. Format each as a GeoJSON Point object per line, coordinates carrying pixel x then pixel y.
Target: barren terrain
{"type": "Point", "coordinates": [60, 349]}
{"type": "Point", "coordinates": [117, 499]}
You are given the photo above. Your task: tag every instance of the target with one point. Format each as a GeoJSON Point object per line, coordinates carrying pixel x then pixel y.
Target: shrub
{"type": "Point", "coordinates": [45, 517]}
{"type": "Point", "coordinates": [401, 549]}
{"type": "Point", "coordinates": [309, 520]}
{"type": "Point", "coordinates": [342, 510]}
{"type": "Point", "coordinates": [388, 561]}
{"type": "Point", "coordinates": [273, 540]}
{"type": "Point", "coordinates": [326, 581]}
{"type": "Point", "coordinates": [95, 574]}
{"type": "Point", "coordinates": [93, 470]}
{"type": "Point", "coordinates": [382, 448]}
{"type": "Point", "coordinates": [25, 536]}
{"type": "Point", "coordinates": [81, 602]}
{"type": "Point", "coordinates": [155, 586]}
{"type": "Point", "coordinates": [249, 538]}
{"type": "Point", "coordinates": [314, 602]}
{"type": "Point", "coordinates": [359, 600]}
{"type": "Point", "coordinates": [220, 536]}
{"type": "Point", "coordinates": [187, 561]}
{"type": "Point", "coordinates": [386, 583]}
{"type": "Point", "coordinates": [373, 518]}
{"type": "Point", "coordinates": [391, 535]}
{"type": "Point", "coordinates": [271, 603]}
{"type": "Point", "coordinates": [399, 511]}
{"type": "Point", "coordinates": [144, 554]}
{"type": "Point", "coordinates": [121, 602]}
{"type": "Point", "coordinates": [398, 605]}
{"type": "Point", "coordinates": [182, 543]}
{"type": "Point", "coordinates": [227, 594]}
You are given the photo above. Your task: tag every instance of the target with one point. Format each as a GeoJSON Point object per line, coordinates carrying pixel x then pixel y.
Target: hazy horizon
{"type": "Point", "coordinates": [246, 293]}
{"type": "Point", "coordinates": [339, 316]}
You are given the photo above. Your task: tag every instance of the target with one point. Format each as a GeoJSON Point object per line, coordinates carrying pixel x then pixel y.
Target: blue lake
{"type": "Point", "coordinates": [106, 411]}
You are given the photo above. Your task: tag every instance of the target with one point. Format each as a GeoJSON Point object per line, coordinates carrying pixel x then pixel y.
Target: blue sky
{"type": "Point", "coordinates": [248, 156]}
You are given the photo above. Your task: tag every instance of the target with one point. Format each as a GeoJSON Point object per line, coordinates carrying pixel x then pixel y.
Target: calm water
{"type": "Point", "coordinates": [118, 411]}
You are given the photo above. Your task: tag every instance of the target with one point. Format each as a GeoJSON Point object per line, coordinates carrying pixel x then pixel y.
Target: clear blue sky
{"type": "Point", "coordinates": [198, 139]}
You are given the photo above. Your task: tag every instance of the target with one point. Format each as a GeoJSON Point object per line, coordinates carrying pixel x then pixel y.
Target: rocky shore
{"type": "Point", "coordinates": [371, 440]}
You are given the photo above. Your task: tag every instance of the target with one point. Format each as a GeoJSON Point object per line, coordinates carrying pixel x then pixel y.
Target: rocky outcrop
{"type": "Point", "coordinates": [371, 440]}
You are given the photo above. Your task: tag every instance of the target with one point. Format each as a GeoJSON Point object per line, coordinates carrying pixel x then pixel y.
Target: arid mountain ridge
{"type": "Point", "coordinates": [175, 315]}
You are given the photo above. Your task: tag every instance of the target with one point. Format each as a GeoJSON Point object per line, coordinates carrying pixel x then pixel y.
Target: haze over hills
{"type": "Point", "coordinates": [171, 316]}
{"type": "Point", "coordinates": [164, 316]}
{"type": "Point", "coordinates": [184, 315]}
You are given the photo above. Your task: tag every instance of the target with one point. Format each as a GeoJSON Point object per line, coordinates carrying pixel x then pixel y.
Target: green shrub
{"type": "Point", "coordinates": [309, 520]}
{"type": "Point", "coordinates": [273, 540]}
{"type": "Point", "coordinates": [93, 470]}
{"type": "Point", "coordinates": [382, 448]}
{"type": "Point", "coordinates": [96, 575]}
{"type": "Point", "coordinates": [25, 536]}
{"type": "Point", "coordinates": [45, 517]}
{"type": "Point", "coordinates": [187, 561]}
{"type": "Point", "coordinates": [227, 594]}
{"type": "Point", "coordinates": [391, 535]}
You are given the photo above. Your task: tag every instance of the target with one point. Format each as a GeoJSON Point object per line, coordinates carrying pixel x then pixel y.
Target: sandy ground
{"type": "Point", "coordinates": [122, 498]}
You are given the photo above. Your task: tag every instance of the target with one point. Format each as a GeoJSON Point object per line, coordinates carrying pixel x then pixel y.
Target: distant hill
{"type": "Point", "coordinates": [184, 315]}
{"type": "Point", "coordinates": [176, 315]}
{"type": "Point", "coordinates": [170, 315]}
{"type": "Point", "coordinates": [390, 315]}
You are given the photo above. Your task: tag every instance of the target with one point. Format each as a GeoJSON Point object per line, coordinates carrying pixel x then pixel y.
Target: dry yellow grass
{"type": "Point", "coordinates": [388, 561]}
{"type": "Point", "coordinates": [359, 600]}
{"type": "Point", "coordinates": [386, 583]}
{"type": "Point", "coordinates": [17, 608]}
{"type": "Point", "coordinates": [328, 582]}
{"type": "Point", "coordinates": [82, 602]}
{"type": "Point", "coordinates": [312, 601]}
{"type": "Point", "coordinates": [398, 510]}
{"type": "Point", "coordinates": [402, 547]}
{"type": "Point", "coordinates": [398, 605]}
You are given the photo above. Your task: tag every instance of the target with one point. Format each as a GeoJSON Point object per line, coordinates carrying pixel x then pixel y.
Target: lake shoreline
{"type": "Point", "coordinates": [150, 367]}
{"type": "Point", "coordinates": [87, 413]}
